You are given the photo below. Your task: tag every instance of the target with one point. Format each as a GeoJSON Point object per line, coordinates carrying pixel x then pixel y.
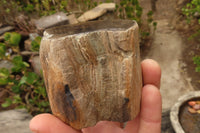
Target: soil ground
{"type": "Point", "coordinates": [191, 48]}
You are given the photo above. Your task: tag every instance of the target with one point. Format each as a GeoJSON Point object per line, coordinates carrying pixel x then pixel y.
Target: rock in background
{"type": "Point", "coordinates": [6, 29]}
{"type": "Point", "coordinates": [97, 12]}
{"type": "Point", "coordinates": [35, 62]}
{"type": "Point", "coordinates": [15, 121]}
{"type": "Point", "coordinates": [52, 20]}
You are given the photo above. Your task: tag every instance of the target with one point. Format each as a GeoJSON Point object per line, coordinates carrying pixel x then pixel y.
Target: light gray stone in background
{"type": "Point", "coordinates": [32, 36]}
{"type": "Point", "coordinates": [15, 121]}
{"type": "Point", "coordinates": [6, 64]}
{"type": "Point", "coordinates": [6, 29]}
{"type": "Point", "coordinates": [35, 62]}
{"type": "Point", "coordinates": [52, 20]}
{"type": "Point", "coordinates": [27, 43]}
{"type": "Point", "coordinates": [97, 12]}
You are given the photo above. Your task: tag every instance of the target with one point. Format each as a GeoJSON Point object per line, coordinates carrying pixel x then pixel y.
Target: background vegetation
{"type": "Point", "coordinates": [192, 12]}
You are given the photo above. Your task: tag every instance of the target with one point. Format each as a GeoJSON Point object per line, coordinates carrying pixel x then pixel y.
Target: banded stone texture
{"type": "Point", "coordinates": [92, 71]}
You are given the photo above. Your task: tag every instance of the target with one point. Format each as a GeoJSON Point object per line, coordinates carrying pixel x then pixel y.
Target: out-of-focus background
{"type": "Point", "coordinates": [169, 34]}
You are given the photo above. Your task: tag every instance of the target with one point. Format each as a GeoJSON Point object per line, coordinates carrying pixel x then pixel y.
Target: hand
{"type": "Point", "coordinates": [148, 120]}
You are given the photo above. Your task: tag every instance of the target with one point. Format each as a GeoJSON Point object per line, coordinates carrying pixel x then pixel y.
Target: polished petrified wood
{"type": "Point", "coordinates": [92, 71]}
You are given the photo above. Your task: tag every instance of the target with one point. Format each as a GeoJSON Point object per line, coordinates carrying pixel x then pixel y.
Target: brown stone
{"type": "Point", "coordinates": [92, 71]}
{"type": "Point", "coordinates": [27, 45]}
{"type": "Point", "coordinates": [191, 110]}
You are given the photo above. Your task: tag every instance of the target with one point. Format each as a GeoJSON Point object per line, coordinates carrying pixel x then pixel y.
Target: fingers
{"type": "Point", "coordinates": [47, 123]}
{"type": "Point", "coordinates": [151, 72]}
{"type": "Point", "coordinates": [104, 127]}
{"type": "Point", "coordinates": [151, 109]}
{"type": "Point", "coordinates": [133, 126]}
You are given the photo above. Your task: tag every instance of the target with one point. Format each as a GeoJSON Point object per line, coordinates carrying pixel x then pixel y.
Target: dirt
{"type": "Point", "coordinates": [191, 48]}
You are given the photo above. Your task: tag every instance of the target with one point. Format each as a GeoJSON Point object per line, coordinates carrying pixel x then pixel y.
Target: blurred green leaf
{"type": "Point", "coordinates": [150, 13]}
{"type": "Point", "coordinates": [7, 103]}
{"type": "Point", "coordinates": [3, 81]}
{"type": "Point", "coordinates": [7, 36]}
{"type": "Point", "coordinates": [16, 89]}
{"type": "Point", "coordinates": [192, 8]}
{"type": "Point", "coordinates": [32, 78]}
{"type": "Point", "coordinates": [196, 61]}
{"type": "Point", "coordinates": [23, 80]}
{"type": "Point", "coordinates": [4, 75]}
{"type": "Point", "coordinates": [134, 2]}
{"type": "Point", "coordinates": [44, 104]}
{"type": "Point", "coordinates": [40, 90]}
{"type": "Point", "coordinates": [17, 99]}
{"type": "Point", "coordinates": [12, 38]}
{"type": "Point", "coordinates": [2, 50]}
{"type": "Point", "coordinates": [19, 64]}
{"type": "Point", "coordinates": [29, 8]}
{"type": "Point", "coordinates": [35, 44]}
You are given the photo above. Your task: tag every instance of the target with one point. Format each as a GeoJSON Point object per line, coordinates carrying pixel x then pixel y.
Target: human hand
{"type": "Point", "coordinates": [147, 121]}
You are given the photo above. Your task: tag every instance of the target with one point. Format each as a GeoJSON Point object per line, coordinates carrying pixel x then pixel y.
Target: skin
{"type": "Point", "coordinates": [147, 121]}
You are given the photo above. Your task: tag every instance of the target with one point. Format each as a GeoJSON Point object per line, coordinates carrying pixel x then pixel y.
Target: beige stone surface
{"type": "Point", "coordinates": [52, 20]}
{"type": "Point", "coordinates": [72, 19]}
{"type": "Point", "coordinates": [97, 12]}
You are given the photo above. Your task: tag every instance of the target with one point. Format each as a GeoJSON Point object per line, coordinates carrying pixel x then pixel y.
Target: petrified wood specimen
{"type": "Point", "coordinates": [92, 71]}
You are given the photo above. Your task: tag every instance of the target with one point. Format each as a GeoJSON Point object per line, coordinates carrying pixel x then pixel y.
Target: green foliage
{"type": "Point", "coordinates": [19, 64]}
{"type": "Point", "coordinates": [191, 9]}
{"type": "Point", "coordinates": [16, 88]}
{"type": "Point", "coordinates": [130, 9]}
{"type": "Point", "coordinates": [195, 35]}
{"type": "Point", "coordinates": [2, 50]}
{"type": "Point", "coordinates": [29, 79]}
{"type": "Point", "coordinates": [27, 87]}
{"type": "Point", "coordinates": [4, 76]}
{"type": "Point", "coordinates": [154, 25]}
{"type": "Point", "coordinates": [12, 38]}
{"type": "Point", "coordinates": [196, 61]}
{"type": "Point", "coordinates": [35, 44]}
{"type": "Point", "coordinates": [7, 103]}
{"type": "Point", "coordinates": [29, 8]}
